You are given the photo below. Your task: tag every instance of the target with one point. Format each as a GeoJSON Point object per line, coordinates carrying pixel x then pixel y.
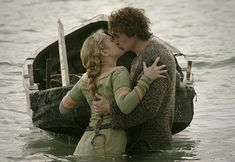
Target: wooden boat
{"type": "Point", "coordinates": [44, 91]}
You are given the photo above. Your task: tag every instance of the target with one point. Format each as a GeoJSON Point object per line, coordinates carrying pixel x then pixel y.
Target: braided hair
{"type": "Point", "coordinates": [90, 56]}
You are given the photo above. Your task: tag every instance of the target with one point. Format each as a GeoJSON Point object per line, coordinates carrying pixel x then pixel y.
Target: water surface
{"type": "Point", "coordinates": [204, 30]}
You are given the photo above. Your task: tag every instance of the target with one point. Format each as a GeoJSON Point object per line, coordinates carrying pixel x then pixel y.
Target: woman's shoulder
{"type": "Point", "coordinates": [84, 78]}
{"type": "Point", "coordinates": [112, 72]}
{"type": "Point", "coordinates": [119, 69]}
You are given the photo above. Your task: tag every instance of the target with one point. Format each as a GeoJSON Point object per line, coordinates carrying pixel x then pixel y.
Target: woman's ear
{"type": "Point", "coordinates": [104, 52]}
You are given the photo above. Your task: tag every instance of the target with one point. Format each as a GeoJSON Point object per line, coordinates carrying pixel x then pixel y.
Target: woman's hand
{"type": "Point", "coordinates": [154, 72]}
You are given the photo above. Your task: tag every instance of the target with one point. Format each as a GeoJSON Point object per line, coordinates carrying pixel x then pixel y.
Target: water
{"type": "Point", "coordinates": [204, 30]}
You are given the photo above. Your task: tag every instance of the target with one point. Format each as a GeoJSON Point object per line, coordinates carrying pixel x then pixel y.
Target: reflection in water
{"type": "Point", "coordinates": [42, 141]}
{"type": "Point", "coordinates": [185, 147]}
{"type": "Point", "coordinates": [41, 145]}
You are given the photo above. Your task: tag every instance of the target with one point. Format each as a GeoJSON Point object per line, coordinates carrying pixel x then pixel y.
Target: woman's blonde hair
{"type": "Point", "coordinates": [90, 56]}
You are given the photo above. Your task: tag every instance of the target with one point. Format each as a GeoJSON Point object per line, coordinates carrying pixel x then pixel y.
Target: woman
{"type": "Point", "coordinates": [99, 56]}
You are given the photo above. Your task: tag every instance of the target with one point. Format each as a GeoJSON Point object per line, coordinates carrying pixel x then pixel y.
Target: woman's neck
{"type": "Point", "coordinates": [107, 65]}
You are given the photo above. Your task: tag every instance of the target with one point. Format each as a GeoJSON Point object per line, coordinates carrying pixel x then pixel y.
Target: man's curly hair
{"type": "Point", "coordinates": [130, 21]}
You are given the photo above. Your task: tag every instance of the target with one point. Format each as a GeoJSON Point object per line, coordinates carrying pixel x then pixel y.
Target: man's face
{"type": "Point", "coordinates": [123, 41]}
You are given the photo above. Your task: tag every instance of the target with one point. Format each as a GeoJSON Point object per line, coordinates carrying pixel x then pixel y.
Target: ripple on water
{"type": "Point", "coordinates": [228, 62]}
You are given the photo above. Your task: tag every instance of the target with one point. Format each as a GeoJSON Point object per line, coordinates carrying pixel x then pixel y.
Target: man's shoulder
{"type": "Point", "coordinates": [155, 48]}
{"type": "Point", "coordinates": [157, 44]}
{"type": "Point", "coordinates": [160, 42]}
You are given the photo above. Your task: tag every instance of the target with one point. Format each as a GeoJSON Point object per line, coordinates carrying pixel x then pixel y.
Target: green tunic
{"type": "Point", "coordinates": [115, 141]}
{"type": "Point", "coordinates": [108, 141]}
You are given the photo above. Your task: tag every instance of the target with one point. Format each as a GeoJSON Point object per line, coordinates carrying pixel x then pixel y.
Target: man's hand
{"type": "Point", "coordinates": [101, 105]}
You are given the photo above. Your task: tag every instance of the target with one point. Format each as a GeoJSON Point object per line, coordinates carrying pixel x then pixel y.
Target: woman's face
{"type": "Point", "coordinates": [124, 42]}
{"type": "Point", "coordinates": [111, 47]}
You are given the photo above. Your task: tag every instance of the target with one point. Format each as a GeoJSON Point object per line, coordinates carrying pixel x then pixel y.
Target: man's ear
{"type": "Point", "coordinates": [104, 52]}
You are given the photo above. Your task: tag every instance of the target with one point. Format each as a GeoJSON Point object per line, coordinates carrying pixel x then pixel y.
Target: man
{"type": "Point", "coordinates": [148, 127]}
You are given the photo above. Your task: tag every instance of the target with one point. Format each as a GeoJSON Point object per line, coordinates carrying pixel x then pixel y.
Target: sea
{"type": "Point", "coordinates": [204, 30]}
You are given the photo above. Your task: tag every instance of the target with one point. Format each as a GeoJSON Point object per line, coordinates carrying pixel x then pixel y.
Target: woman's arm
{"type": "Point", "coordinates": [146, 109]}
{"type": "Point", "coordinates": [67, 104]}
{"type": "Point", "coordinates": [72, 99]}
{"type": "Point", "coordinates": [126, 99]}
